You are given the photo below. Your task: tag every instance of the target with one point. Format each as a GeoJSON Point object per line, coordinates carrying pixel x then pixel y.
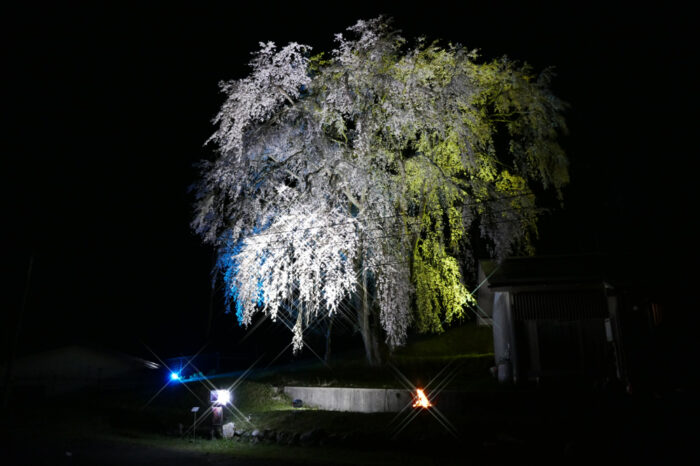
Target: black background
{"type": "Point", "coordinates": [107, 109]}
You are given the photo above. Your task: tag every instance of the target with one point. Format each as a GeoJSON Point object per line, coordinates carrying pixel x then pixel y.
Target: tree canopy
{"type": "Point", "coordinates": [363, 175]}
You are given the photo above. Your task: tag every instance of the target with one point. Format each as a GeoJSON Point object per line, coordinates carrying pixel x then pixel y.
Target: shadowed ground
{"type": "Point", "coordinates": [550, 426]}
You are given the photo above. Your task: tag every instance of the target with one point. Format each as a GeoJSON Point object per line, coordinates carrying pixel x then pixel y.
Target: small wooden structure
{"type": "Point", "coordinates": [558, 318]}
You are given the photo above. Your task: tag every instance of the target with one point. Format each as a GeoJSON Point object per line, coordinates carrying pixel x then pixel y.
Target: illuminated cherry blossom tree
{"type": "Point", "coordinates": [354, 179]}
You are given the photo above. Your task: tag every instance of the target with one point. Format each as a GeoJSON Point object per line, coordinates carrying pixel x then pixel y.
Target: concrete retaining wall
{"type": "Point", "coordinates": [361, 400]}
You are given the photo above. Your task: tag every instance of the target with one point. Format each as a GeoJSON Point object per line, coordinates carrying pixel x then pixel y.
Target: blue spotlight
{"type": "Point", "coordinates": [174, 376]}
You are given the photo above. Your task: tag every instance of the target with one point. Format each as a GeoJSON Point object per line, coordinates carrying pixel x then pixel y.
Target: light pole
{"type": "Point", "coordinates": [194, 423]}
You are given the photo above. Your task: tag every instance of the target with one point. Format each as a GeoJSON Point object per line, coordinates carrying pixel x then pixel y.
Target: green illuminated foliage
{"type": "Point", "coordinates": [440, 294]}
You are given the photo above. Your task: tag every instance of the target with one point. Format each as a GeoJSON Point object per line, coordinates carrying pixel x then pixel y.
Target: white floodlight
{"type": "Point", "coordinates": [220, 397]}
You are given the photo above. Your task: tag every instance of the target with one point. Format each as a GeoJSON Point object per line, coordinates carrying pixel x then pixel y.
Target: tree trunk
{"type": "Point", "coordinates": [329, 327]}
{"type": "Point", "coordinates": [369, 331]}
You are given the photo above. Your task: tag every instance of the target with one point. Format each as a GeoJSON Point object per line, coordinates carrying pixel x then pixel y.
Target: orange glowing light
{"type": "Point", "coordinates": [422, 401]}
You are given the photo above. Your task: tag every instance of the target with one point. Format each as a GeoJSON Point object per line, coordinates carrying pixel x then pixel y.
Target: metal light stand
{"type": "Point", "coordinates": [194, 423]}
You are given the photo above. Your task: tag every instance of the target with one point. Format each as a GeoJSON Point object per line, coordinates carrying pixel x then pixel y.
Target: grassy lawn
{"type": "Point", "coordinates": [468, 347]}
{"type": "Point", "coordinates": [466, 340]}
{"type": "Point", "coordinates": [358, 454]}
{"type": "Point", "coordinates": [160, 416]}
{"type": "Point", "coordinates": [463, 353]}
{"type": "Point", "coordinates": [260, 404]}
{"type": "Point", "coordinates": [498, 425]}
{"type": "Point", "coordinates": [75, 423]}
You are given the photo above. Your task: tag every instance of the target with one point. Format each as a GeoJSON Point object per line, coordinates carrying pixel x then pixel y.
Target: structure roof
{"type": "Point", "coordinates": [557, 270]}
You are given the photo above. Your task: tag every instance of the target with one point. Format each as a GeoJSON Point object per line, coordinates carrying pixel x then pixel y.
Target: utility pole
{"type": "Point", "coordinates": [15, 341]}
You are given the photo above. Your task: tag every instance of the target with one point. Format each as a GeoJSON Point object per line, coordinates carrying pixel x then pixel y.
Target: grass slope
{"type": "Point", "coordinates": [468, 348]}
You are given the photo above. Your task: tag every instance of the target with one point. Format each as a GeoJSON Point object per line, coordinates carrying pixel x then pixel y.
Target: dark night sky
{"type": "Point", "coordinates": [109, 108]}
